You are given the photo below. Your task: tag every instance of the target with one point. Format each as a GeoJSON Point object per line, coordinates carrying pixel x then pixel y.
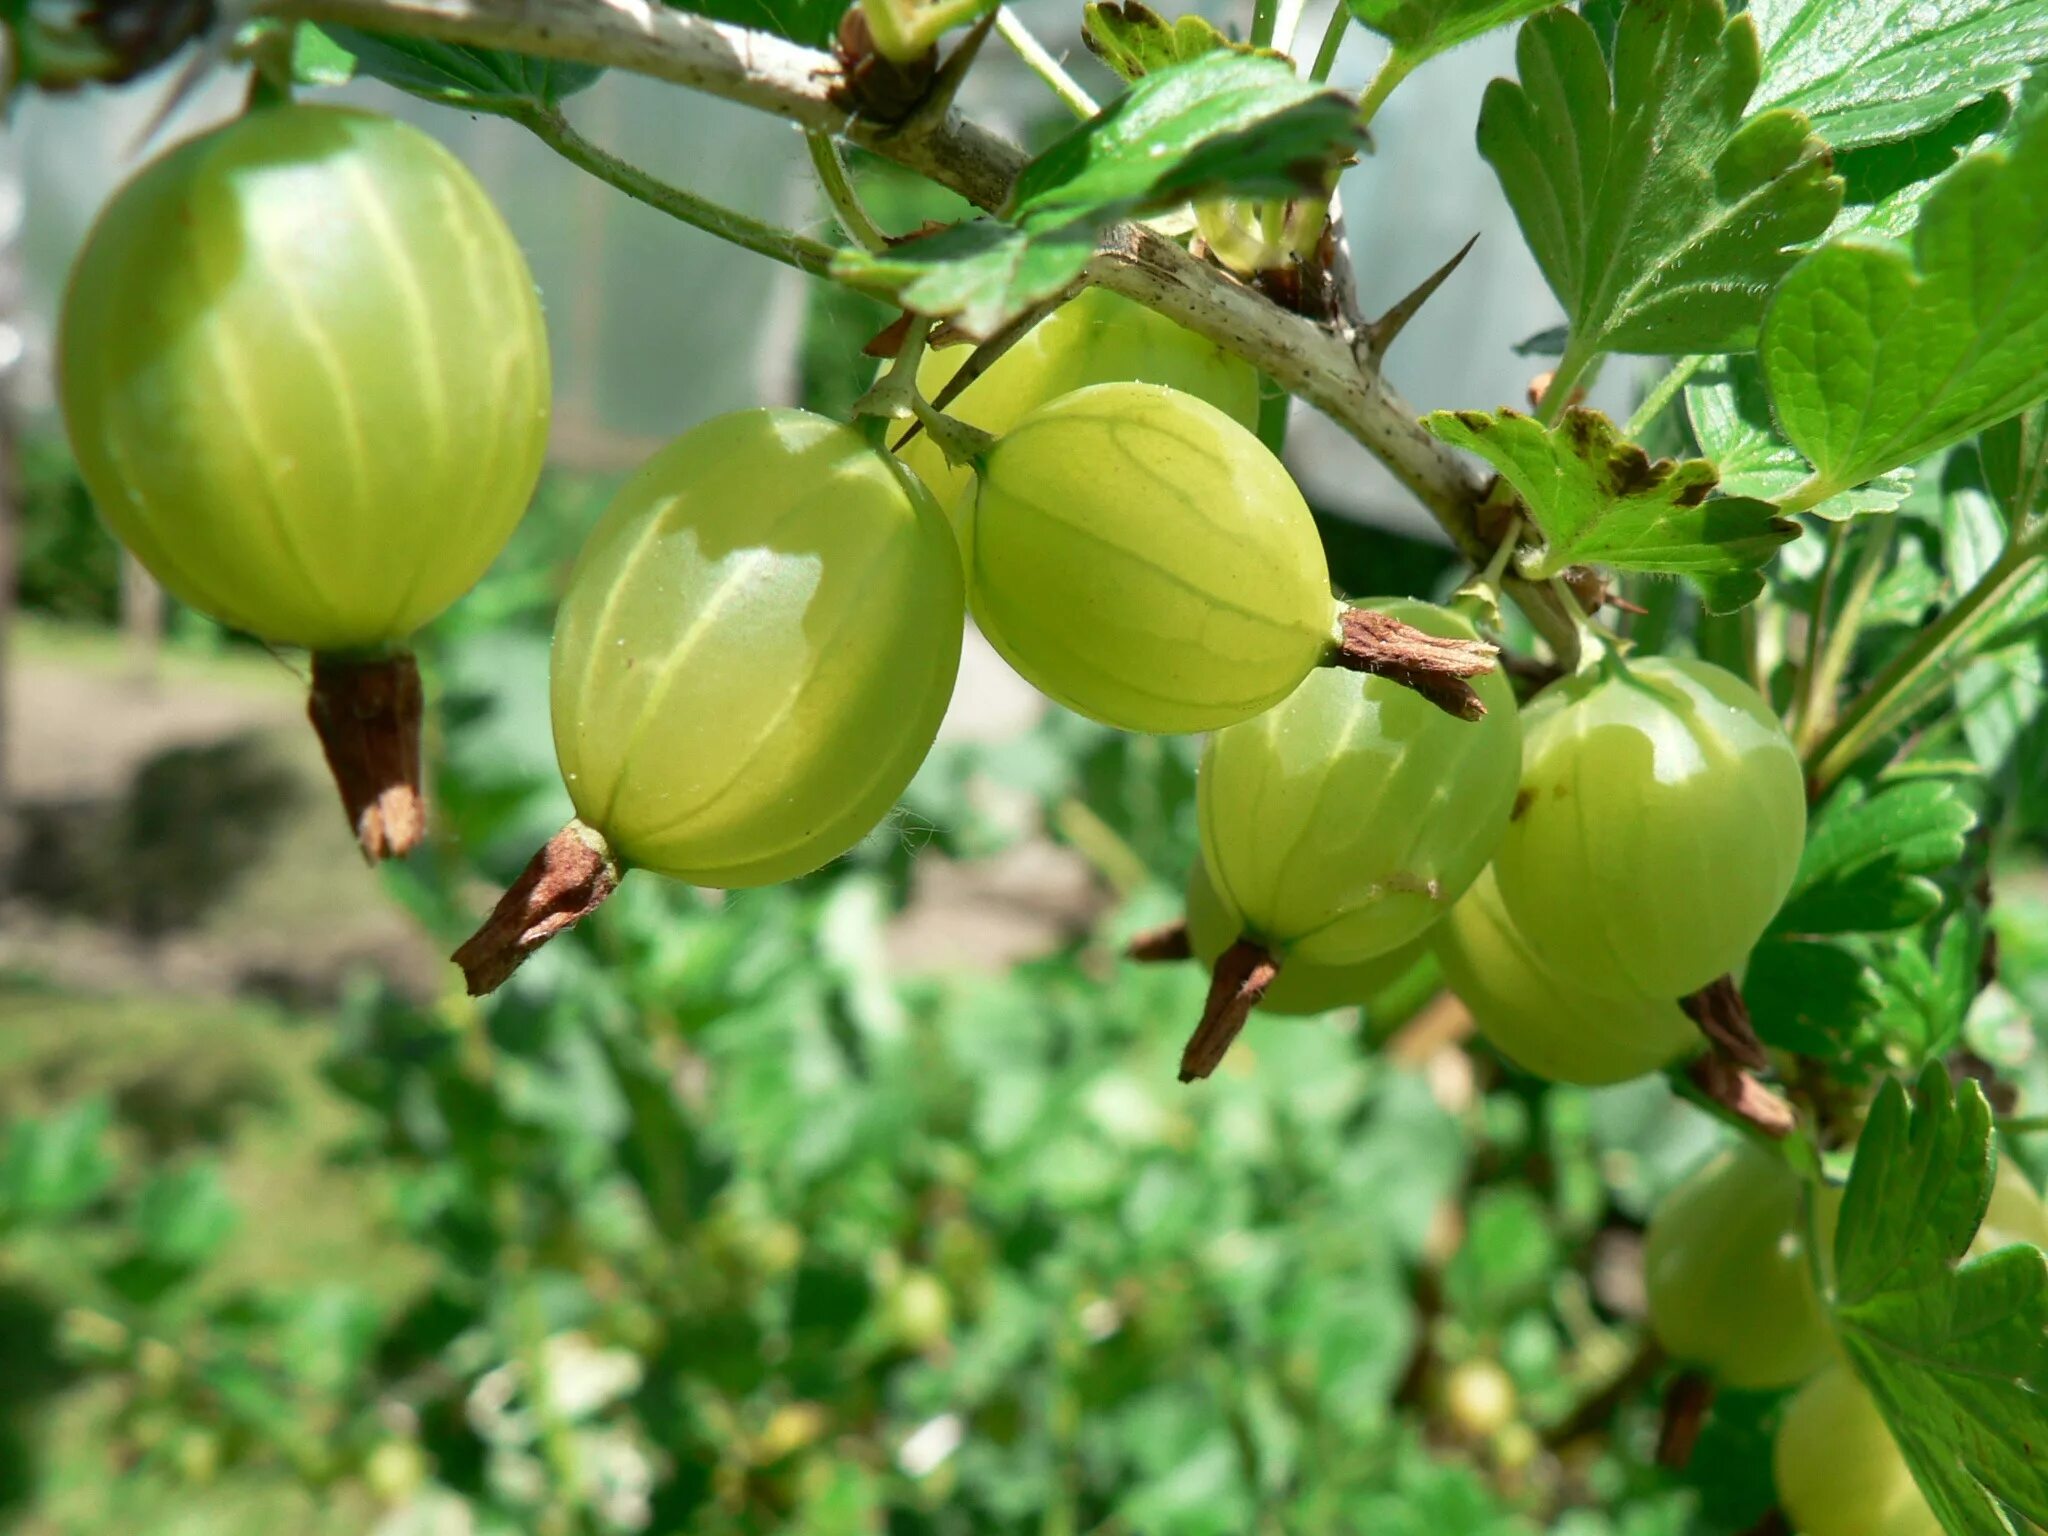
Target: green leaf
{"type": "Point", "coordinates": [1868, 856]}
{"type": "Point", "coordinates": [1955, 1353]}
{"type": "Point", "coordinates": [1924, 983]}
{"type": "Point", "coordinates": [1595, 497]}
{"type": "Point", "coordinates": [1135, 40]}
{"type": "Point", "coordinates": [2015, 458]}
{"type": "Point", "coordinates": [1506, 1258]}
{"type": "Point", "coordinates": [1661, 218]}
{"type": "Point", "coordinates": [54, 1167]}
{"type": "Point", "coordinates": [1887, 184]}
{"type": "Point", "coordinates": [481, 79]}
{"type": "Point", "coordinates": [1808, 995]}
{"type": "Point", "coordinates": [1865, 70]}
{"type": "Point", "coordinates": [1221, 122]}
{"type": "Point", "coordinates": [318, 59]}
{"type": "Point", "coordinates": [1731, 421]}
{"type": "Point", "coordinates": [1877, 358]}
{"type": "Point", "coordinates": [182, 1216]}
{"type": "Point", "coordinates": [1420, 28]}
{"type": "Point", "coordinates": [980, 274]}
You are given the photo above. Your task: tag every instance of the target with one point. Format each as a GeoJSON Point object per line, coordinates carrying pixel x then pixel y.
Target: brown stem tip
{"type": "Point", "coordinates": [1169, 941]}
{"type": "Point", "coordinates": [1723, 1017]}
{"type": "Point", "coordinates": [1240, 978]}
{"type": "Point", "coordinates": [561, 885]}
{"type": "Point", "coordinates": [1686, 1402]}
{"type": "Point", "coordinates": [367, 715]}
{"type": "Point", "coordinates": [1434, 667]}
{"type": "Point", "coordinates": [1736, 1091]}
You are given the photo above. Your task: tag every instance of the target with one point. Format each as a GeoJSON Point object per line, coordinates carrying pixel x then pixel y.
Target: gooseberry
{"type": "Point", "coordinates": [1730, 1276]}
{"type": "Point", "coordinates": [1096, 337]}
{"type": "Point", "coordinates": [756, 647]}
{"type": "Point", "coordinates": [1342, 823]}
{"type": "Point", "coordinates": [1347, 819]}
{"type": "Point", "coordinates": [1541, 1019]}
{"type": "Point", "coordinates": [1142, 559]}
{"type": "Point", "coordinates": [1838, 1470]}
{"type": "Point", "coordinates": [1659, 824]}
{"type": "Point", "coordinates": [304, 371]}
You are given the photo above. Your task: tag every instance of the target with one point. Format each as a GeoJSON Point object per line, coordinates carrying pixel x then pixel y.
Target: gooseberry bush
{"type": "Point", "coordinates": [1700, 769]}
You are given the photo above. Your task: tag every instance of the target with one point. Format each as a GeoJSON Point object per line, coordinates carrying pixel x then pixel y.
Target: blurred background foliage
{"type": "Point", "coordinates": [863, 1204]}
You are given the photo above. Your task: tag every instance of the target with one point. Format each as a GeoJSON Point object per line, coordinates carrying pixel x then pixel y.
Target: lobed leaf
{"type": "Point", "coordinates": [1595, 497]}
{"type": "Point", "coordinates": [1660, 216]}
{"type": "Point", "coordinates": [1421, 28]}
{"type": "Point", "coordinates": [1869, 70]}
{"type": "Point", "coordinates": [1868, 856]}
{"type": "Point", "coordinates": [1731, 422]}
{"type": "Point", "coordinates": [1886, 185]}
{"type": "Point", "coordinates": [1877, 357]}
{"type": "Point", "coordinates": [1955, 1354]}
{"type": "Point", "coordinates": [1135, 40]}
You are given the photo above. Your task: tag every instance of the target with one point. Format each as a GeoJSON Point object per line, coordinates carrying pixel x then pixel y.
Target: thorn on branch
{"type": "Point", "coordinates": [1723, 1017]}
{"type": "Point", "coordinates": [1169, 941]}
{"type": "Point", "coordinates": [1381, 332]}
{"type": "Point", "coordinates": [1433, 666]}
{"type": "Point", "coordinates": [1240, 978]}
{"type": "Point", "coordinates": [888, 341]}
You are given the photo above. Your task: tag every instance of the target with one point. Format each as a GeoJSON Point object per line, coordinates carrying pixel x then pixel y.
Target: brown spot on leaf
{"type": "Point", "coordinates": [1524, 798]}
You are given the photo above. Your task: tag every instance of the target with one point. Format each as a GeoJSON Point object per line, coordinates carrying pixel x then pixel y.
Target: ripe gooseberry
{"type": "Point", "coordinates": [1659, 824]}
{"type": "Point", "coordinates": [1838, 1470]}
{"type": "Point", "coordinates": [303, 368]}
{"type": "Point", "coordinates": [1301, 989]}
{"type": "Point", "coordinates": [1342, 823]}
{"type": "Point", "coordinates": [1729, 1274]}
{"type": "Point", "coordinates": [1096, 337]}
{"type": "Point", "coordinates": [1145, 561]}
{"type": "Point", "coordinates": [757, 645]}
{"type": "Point", "coordinates": [1142, 559]}
{"type": "Point", "coordinates": [1541, 1019]}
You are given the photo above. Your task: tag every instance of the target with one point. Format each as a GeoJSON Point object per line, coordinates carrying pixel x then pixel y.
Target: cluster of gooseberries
{"type": "Point", "coordinates": [305, 371]}
{"type": "Point", "coordinates": [306, 375]}
{"type": "Point", "coordinates": [1738, 1259]}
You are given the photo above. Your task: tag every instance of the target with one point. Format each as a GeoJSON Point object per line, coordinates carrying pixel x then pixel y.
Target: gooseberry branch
{"type": "Point", "coordinates": [1322, 364]}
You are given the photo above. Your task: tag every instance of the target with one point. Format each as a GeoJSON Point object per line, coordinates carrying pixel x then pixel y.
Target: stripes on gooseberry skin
{"type": "Point", "coordinates": [1142, 558]}
{"type": "Point", "coordinates": [756, 648]}
{"type": "Point", "coordinates": [373, 495]}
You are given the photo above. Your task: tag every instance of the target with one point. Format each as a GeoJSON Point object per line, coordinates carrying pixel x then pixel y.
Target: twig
{"type": "Point", "coordinates": [1902, 686]}
{"type": "Point", "coordinates": [1333, 39]}
{"type": "Point", "coordinates": [1073, 96]}
{"type": "Point", "coordinates": [1392, 71]}
{"type": "Point", "coordinates": [838, 188]}
{"type": "Point", "coordinates": [1661, 394]}
{"type": "Point", "coordinates": [786, 246]}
